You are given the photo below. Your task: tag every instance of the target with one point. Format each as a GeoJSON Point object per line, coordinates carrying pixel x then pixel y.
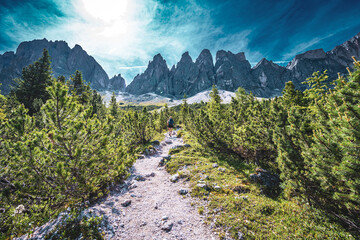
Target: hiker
{"type": "Point", "coordinates": [170, 125]}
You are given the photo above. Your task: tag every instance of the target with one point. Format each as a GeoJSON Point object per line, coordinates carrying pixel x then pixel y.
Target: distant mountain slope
{"type": "Point", "coordinates": [232, 71]}
{"type": "Point", "coordinates": [64, 60]}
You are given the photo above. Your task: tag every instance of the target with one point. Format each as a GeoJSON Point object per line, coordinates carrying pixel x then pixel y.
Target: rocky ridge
{"type": "Point", "coordinates": [232, 71]}
{"type": "Point", "coordinates": [64, 61]}
{"type": "Point", "coordinates": [117, 82]}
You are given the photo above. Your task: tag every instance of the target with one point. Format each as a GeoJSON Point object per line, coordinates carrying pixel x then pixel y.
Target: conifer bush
{"type": "Point", "coordinates": [73, 158]}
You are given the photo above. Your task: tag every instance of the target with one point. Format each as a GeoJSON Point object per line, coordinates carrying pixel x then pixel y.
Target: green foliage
{"type": "Point", "coordinates": [241, 129]}
{"type": "Point", "coordinates": [210, 125]}
{"type": "Point", "coordinates": [114, 107]}
{"type": "Point", "coordinates": [335, 153]}
{"type": "Point", "coordinates": [2, 108]}
{"type": "Point", "coordinates": [310, 138]}
{"type": "Point", "coordinates": [240, 206]}
{"type": "Point", "coordinates": [79, 89]}
{"type": "Point", "coordinates": [184, 111]}
{"type": "Point", "coordinates": [139, 127]}
{"type": "Point", "coordinates": [31, 87]}
{"type": "Point", "coordinates": [73, 158]}
{"type": "Point", "coordinates": [75, 227]}
{"type": "Point", "coordinates": [98, 108]}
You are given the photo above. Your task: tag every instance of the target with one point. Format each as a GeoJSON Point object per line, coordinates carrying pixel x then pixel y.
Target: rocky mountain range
{"type": "Point", "coordinates": [64, 61]}
{"type": "Point", "coordinates": [229, 72]}
{"type": "Point", "coordinates": [232, 71]}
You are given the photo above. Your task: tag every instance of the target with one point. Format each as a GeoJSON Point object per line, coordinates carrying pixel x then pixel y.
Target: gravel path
{"type": "Point", "coordinates": [157, 210]}
{"type": "Point", "coordinates": [147, 206]}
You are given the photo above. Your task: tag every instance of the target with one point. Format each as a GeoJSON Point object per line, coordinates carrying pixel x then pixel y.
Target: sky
{"type": "Point", "coordinates": [124, 35]}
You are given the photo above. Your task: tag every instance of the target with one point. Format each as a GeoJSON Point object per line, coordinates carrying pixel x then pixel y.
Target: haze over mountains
{"type": "Point", "coordinates": [229, 72]}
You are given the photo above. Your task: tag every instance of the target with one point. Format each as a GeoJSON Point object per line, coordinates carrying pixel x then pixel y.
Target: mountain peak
{"type": "Point", "coordinates": [205, 59]}
{"type": "Point", "coordinates": [312, 54]}
{"type": "Point", "coordinates": [158, 57]}
{"type": "Point", "coordinates": [263, 61]}
{"type": "Point", "coordinates": [77, 47]}
{"type": "Point", "coordinates": [185, 57]}
{"type": "Point", "coordinates": [241, 56]}
{"type": "Point", "coordinates": [117, 82]}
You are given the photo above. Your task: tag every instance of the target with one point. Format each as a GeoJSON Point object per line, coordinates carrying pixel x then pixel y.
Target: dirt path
{"type": "Point", "coordinates": [147, 206]}
{"type": "Point", "coordinates": [157, 210]}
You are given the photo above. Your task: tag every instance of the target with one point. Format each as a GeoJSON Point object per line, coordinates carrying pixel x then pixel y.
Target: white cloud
{"type": "Point", "coordinates": [303, 46]}
{"type": "Point", "coordinates": [123, 35]}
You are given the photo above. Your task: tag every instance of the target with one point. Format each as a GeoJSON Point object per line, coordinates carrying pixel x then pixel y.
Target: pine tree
{"type": "Point", "coordinates": [61, 79]}
{"type": "Point", "coordinates": [97, 105]}
{"type": "Point", "coordinates": [114, 107]}
{"type": "Point", "coordinates": [251, 128]}
{"type": "Point", "coordinates": [293, 134]}
{"type": "Point", "coordinates": [74, 157]}
{"type": "Point", "coordinates": [2, 108]}
{"type": "Point", "coordinates": [184, 111]}
{"type": "Point", "coordinates": [79, 88]}
{"type": "Point", "coordinates": [335, 155]}
{"type": "Point", "coordinates": [31, 88]}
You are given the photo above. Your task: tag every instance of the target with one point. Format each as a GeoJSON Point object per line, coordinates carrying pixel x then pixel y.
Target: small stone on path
{"type": "Point", "coordinates": [140, 178]}
{"type": "Point", "coordinates": [183, 191]}
{"type": "Point", "coordinates": [150, 175]}
{"type": "Point", "coordinates": [174, 178]}
{"type": "Point", "coordinates": [167, 227]}
{"type": "Point", "coordinates": [126, 203]}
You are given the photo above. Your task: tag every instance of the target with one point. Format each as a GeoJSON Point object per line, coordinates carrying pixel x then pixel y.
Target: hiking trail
{"type": "Point", "coordinates": [157, 210]}
{"type": "Point", "coordinates": [147, 206]}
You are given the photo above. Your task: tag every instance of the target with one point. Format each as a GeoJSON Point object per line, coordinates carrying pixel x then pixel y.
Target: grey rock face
{"type": "Point", "coordinates": [269, 77]}
{"type": "Point", "coordinates": [334, 61]}
{"type": "Point", "coordinates": [183, 76]}
{"type": "Point", "coordinates": [64, 61]}
{"type": "Point", "coordinates": [232, 71]}
{"type": "Point", "coordinates": [186, 77]}
{"type": "Point", "coordinates": [117, 82]}
{"type": "Point", "coordinates": [154, 79]}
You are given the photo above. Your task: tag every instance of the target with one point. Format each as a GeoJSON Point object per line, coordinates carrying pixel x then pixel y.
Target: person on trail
{"type": "Point", "coordinates": [170, 125]}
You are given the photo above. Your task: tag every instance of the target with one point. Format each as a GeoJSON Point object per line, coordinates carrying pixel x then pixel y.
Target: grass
{"type": "Point", "coordinates": [240, 207]}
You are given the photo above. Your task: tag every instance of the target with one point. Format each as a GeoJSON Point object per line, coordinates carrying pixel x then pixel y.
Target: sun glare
{"type": "Point", "coordinates": [106, 10]}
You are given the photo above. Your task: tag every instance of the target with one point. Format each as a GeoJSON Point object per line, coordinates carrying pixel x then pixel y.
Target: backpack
{"type": "Point", "coordinates": [170, 122]}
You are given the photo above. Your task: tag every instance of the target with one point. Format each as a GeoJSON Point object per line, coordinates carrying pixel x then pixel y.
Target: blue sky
{"type": "Point", "coordinates": [123, 35]}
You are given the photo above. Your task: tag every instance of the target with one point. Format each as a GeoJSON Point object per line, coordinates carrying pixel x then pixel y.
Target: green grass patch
{"type": "Point", "coordinates": [239, 206]}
